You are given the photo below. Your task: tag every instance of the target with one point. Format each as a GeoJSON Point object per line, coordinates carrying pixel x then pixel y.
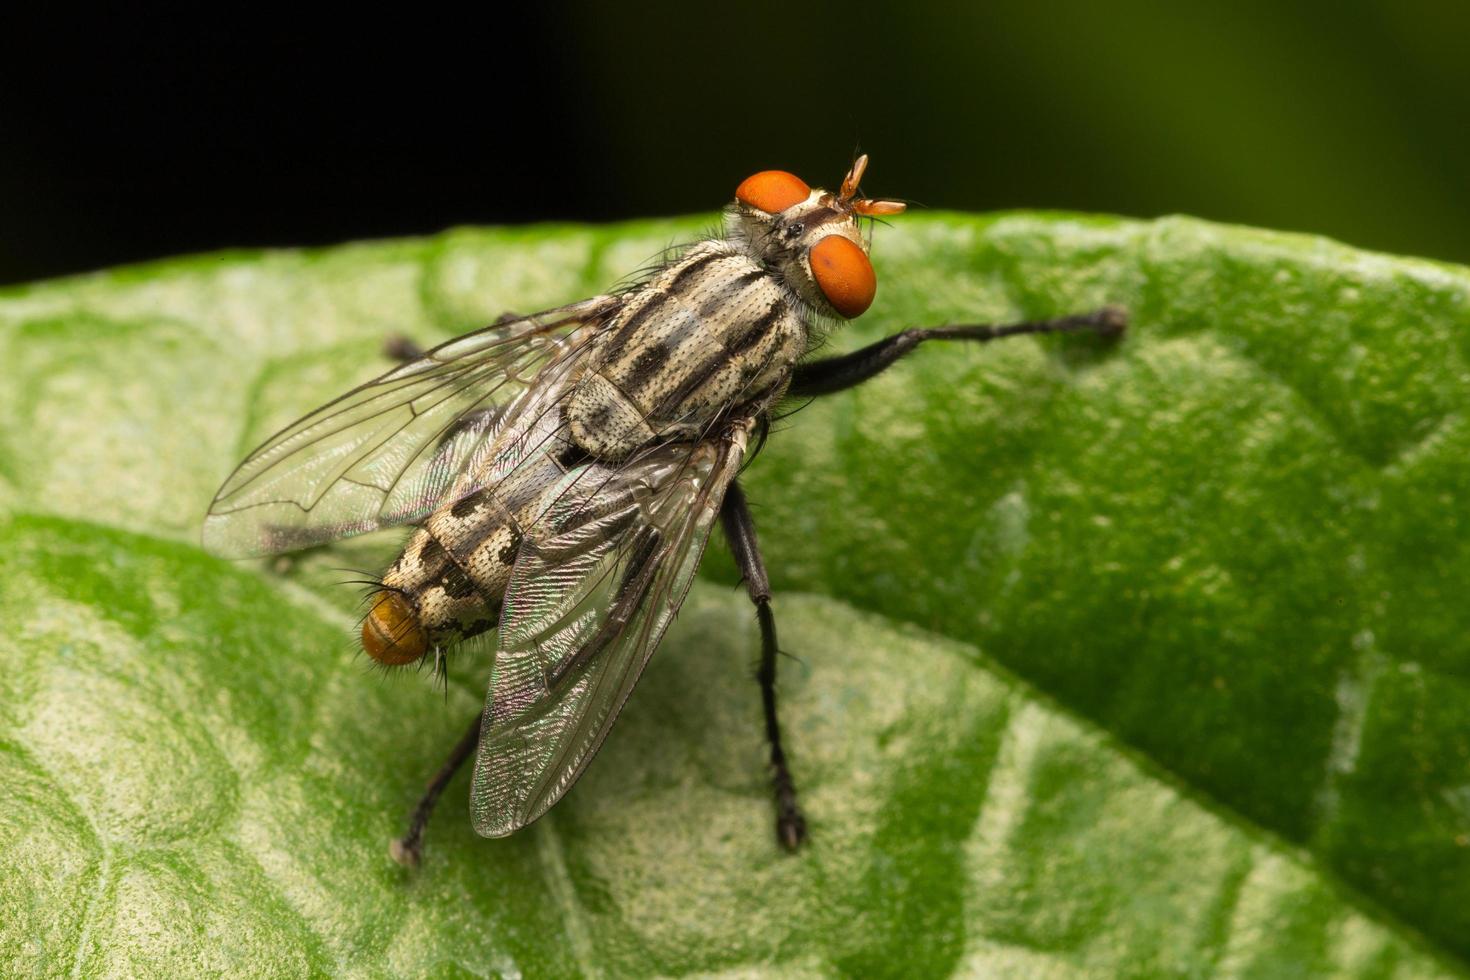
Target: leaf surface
{"type": "Point", "coordinates": [1137, 658]}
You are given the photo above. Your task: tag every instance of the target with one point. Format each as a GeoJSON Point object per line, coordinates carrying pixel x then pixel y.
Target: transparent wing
{"type": "Point", "coordinates": [387, 452]}
{"type": "Point", "coordinates": [601, 572]}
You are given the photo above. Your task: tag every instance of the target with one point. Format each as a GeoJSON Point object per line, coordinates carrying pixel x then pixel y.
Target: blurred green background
{"type": "Point", "coordinates": [139, 135]}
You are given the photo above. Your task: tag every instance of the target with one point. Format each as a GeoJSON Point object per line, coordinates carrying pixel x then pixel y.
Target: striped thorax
{"type": "Point", "coordinates": [712, 330]}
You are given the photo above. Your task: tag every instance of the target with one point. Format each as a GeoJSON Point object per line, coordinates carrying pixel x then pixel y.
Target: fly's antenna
{"type": "Point", "coordinates": [853, 179]}
{"type": "Point", "coordinates": [866, 207]}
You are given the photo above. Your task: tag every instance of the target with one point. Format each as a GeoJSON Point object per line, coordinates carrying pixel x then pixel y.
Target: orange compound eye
{"type": "Point", "coordinates": [772, 191]}
{"type": "Point", "coordinates": [844, 275]}
{"type": "Point", "coordinates": [392, 633]}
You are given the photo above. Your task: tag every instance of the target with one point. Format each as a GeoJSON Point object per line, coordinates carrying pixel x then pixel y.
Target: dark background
{"type": "Point", "coordinates": [140, 135]}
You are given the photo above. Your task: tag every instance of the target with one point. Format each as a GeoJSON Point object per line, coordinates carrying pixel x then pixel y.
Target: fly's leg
{"type": "Point", "coordinates": [403, 349]}
{"type": "Point", "coordinates": [833, 374]}
{"type": "Point", "coordinates": [740, 531]}
{"type": "Point", "coordinates": [400, 348]}
{"type": "Point", "coordinates": [408, 849]}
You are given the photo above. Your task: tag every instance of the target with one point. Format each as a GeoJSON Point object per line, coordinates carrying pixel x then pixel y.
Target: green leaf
{"type": "Point", "coordinates": [1143, 658]}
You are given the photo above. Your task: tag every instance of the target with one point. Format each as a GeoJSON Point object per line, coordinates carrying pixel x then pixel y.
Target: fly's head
{"type": "Point", "coordinates": [812, 237]}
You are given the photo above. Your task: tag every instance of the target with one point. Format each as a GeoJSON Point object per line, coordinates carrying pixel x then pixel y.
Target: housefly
{"type": "Point", "coordinates": [562, 472]}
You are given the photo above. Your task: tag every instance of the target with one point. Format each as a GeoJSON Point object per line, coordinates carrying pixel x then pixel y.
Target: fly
{"type": "Point", "coordinates": [563, 472]}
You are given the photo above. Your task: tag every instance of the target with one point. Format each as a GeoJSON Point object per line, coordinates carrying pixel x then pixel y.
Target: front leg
{"type": "Point", "coordinates": [740, 532]}
{"type": "Point", "coordinates": [833, 374]}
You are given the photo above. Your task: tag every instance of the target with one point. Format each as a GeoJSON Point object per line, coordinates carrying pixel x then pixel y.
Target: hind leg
{"type": "Point", "coordinates": [402, 348]}
{"type": "Point", "coordinates": [740, 531]}
{"type": "Point", "coordinates": [408, 849]}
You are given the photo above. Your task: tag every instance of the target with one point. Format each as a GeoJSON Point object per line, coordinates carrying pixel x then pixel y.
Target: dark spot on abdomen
{"type": "Point", "coordinates": [468, 505]}
{"type": "Point", "coordinates": [507, 554]}
{"type": "Point", "coordinates": [431, 552]}
{"type": "Point", "coordinates": [456, 584]}
{"type": "Point", "coordinates": [477, 627]}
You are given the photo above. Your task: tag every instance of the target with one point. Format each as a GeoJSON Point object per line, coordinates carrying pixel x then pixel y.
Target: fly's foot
{"type": "Point", "coordinates": [399, 348]}
{"type": "Point", "coordinates": [407, 850]}
{"type": "Point", "coordinates": [790, 824]}
{"type": "Point", "coordinates": [791, 829]}
{"type": "Point", "coordinates": [1112, 321]}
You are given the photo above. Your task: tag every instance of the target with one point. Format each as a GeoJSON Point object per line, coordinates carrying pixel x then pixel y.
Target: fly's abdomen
{"type": "Point", "coordinates": [448, 583]}
{"type": "Point", "coordinates": [711, 331]}
{"type": "Point", "coordinates": [429, 599]}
